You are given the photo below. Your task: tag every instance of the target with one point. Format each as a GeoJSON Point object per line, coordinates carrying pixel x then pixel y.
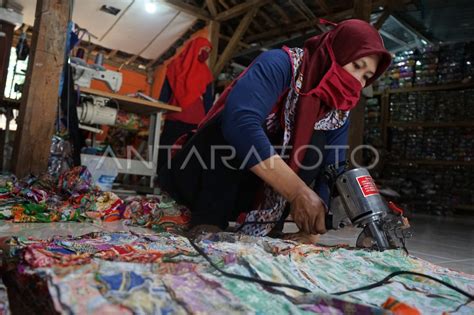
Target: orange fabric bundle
{"type": "Point", "coordinates": [399, 308]}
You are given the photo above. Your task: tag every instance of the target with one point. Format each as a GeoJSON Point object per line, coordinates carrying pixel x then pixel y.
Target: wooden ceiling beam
{"type": "Point", "coordinates": [111, 54]}
{"type": "Point", "coordinates": [223, 4]}
{"type": "Point", "coordinates": [284, 16]}
{"type": "Point", "coordinates": [382, 18]}
{"type": "Point", "coordinates": [363, 9]}
{"type": "Point", "coordinates": [299, 10]}
{"type": "Point", "coordinates": [301, 26]}
{"type": "Point", "coordinates": [228, 29]}
{"type": "Point", "coordinates": [241, 9]}
{"type": "Point", "coordinates": [188, 9]}
{"type": "Point", "coordinates": [228, 38]}
{"type": "Point", "coordinates": [234, 41]}
{"type": "Point", "coordinates": [257, 26]}
{"type": "Point", "coordinates": [305, 9]}
{"type": "Point", "coordinates": [211, 6]}
{"type": "Point", "coordinates": [267, 18]}
{"type": "Point", "coordinates": [215, 33]}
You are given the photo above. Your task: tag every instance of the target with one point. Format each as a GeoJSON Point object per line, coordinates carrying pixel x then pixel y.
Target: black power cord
{"type": "Point", "coordinates": [245, 278]}
{"type": "Point", "coordinates": [404, 272]}
{"type": "Point", "coordinates": [305, 290]}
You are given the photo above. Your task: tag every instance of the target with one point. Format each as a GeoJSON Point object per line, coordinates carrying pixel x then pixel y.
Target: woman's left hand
{"type": "Point", "coordinates": [302, 237]}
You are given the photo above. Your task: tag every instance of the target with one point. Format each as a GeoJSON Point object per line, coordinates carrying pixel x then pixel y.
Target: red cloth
{"type": "Point", "coordinates": [188, 75]}
{"type": "Point", "coordinates": [350, 40]}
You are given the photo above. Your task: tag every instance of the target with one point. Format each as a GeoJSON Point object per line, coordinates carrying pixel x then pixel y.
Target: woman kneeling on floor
{"type": "Point", "coordinates": [275, 134]}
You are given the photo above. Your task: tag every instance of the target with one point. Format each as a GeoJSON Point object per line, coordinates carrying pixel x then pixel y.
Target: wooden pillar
{"type": "Point", "coordinates": [40, 95]}
{"type": "Point", "coordinates": [6, 40]}
{"type": "Point", "coordinates": [214, 39]}
{"type": "Point", "coordinates": [362, 10]}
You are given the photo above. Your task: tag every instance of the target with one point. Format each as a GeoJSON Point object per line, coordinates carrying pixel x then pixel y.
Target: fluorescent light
{"type": "Point", "coordinates": [424, 42]}
{"type": "Point", "coordinates": [150, 6]}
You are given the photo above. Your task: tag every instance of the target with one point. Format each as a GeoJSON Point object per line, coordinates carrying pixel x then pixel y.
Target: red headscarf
{"type": "Point", "coordinates": [188, 74]}
{"type": "Point", "coordinates": [350, 40]}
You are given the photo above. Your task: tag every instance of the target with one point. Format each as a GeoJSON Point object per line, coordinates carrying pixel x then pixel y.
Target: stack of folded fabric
{"type": "Point", "coordinates": [451, 63]}
{"type": "Point", "coordinates": [427, 66]}
{"type": "Point", "coordinates": [159, 213]}
{"type": "Point", "coordinates": [432, 188]}
{"type": "Point", "coordinates": [469, 61]}
{"type": "Point", "coordinates": [403, 70]}
{"type": "Point", "coordinates": [425, 106]}
{"type": "Point", "coordinates": [468, 105]}
{"type": "Point", "coordinates": [130, 273]}
{"type": "Point", "coordinates": [372, 129]}
{"type": "Point", "coordinates": [402, 107]}
{"type": "Point", "coordinates": [442, 144]}
{"type": "Point", "coordinates": [383, 82]}
{"type": "Point", "coordinates": [439, 106]}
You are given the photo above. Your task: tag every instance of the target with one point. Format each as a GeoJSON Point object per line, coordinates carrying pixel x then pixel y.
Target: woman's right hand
{"type": "Point", "coordinates": [307, 208]}
{"type": "Point", "coordinates": [308, 211]}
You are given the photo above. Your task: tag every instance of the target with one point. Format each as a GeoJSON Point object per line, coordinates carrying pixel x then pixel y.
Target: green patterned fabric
{"type": "Point", "coordinates": [163, 274]}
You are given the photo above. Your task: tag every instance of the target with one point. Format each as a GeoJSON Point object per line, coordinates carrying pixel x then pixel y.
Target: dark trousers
{"type": "Point", "coordinates": [172, 130]}
{"type": "Point", "coordinates": [215, 195]}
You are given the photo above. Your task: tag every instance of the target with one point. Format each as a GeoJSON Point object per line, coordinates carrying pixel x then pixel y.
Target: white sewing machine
{"type": "Point", "coordinates": [92, 110]}
{"type": "Point", "coordinates": [84, 73]}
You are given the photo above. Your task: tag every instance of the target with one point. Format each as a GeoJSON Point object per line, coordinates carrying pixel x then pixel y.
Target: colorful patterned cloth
{"type": "Point", "coordinates": [70, 197]}
{"type": "Point", "coordinates": [162, 274]}
{"type": "Point", "coordinates": [73, 197]}
{"type": "Point", "coordinates": [160, 213]}
{"type": "Point", "coordinates": [131, 121]}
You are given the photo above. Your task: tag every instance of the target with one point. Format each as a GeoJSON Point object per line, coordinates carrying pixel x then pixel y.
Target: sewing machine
{"type": "Point", "coordinates": [360, 204]}
{"type": "Point", "coordinates": [84, 73]}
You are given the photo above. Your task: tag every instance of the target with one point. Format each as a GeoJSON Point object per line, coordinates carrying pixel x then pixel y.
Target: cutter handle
{"type": "Point", "coordinates": [328, 221]}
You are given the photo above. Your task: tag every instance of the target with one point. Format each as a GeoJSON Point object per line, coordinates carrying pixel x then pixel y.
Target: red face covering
{"type": "Point", "coordinates": [338, 88]}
